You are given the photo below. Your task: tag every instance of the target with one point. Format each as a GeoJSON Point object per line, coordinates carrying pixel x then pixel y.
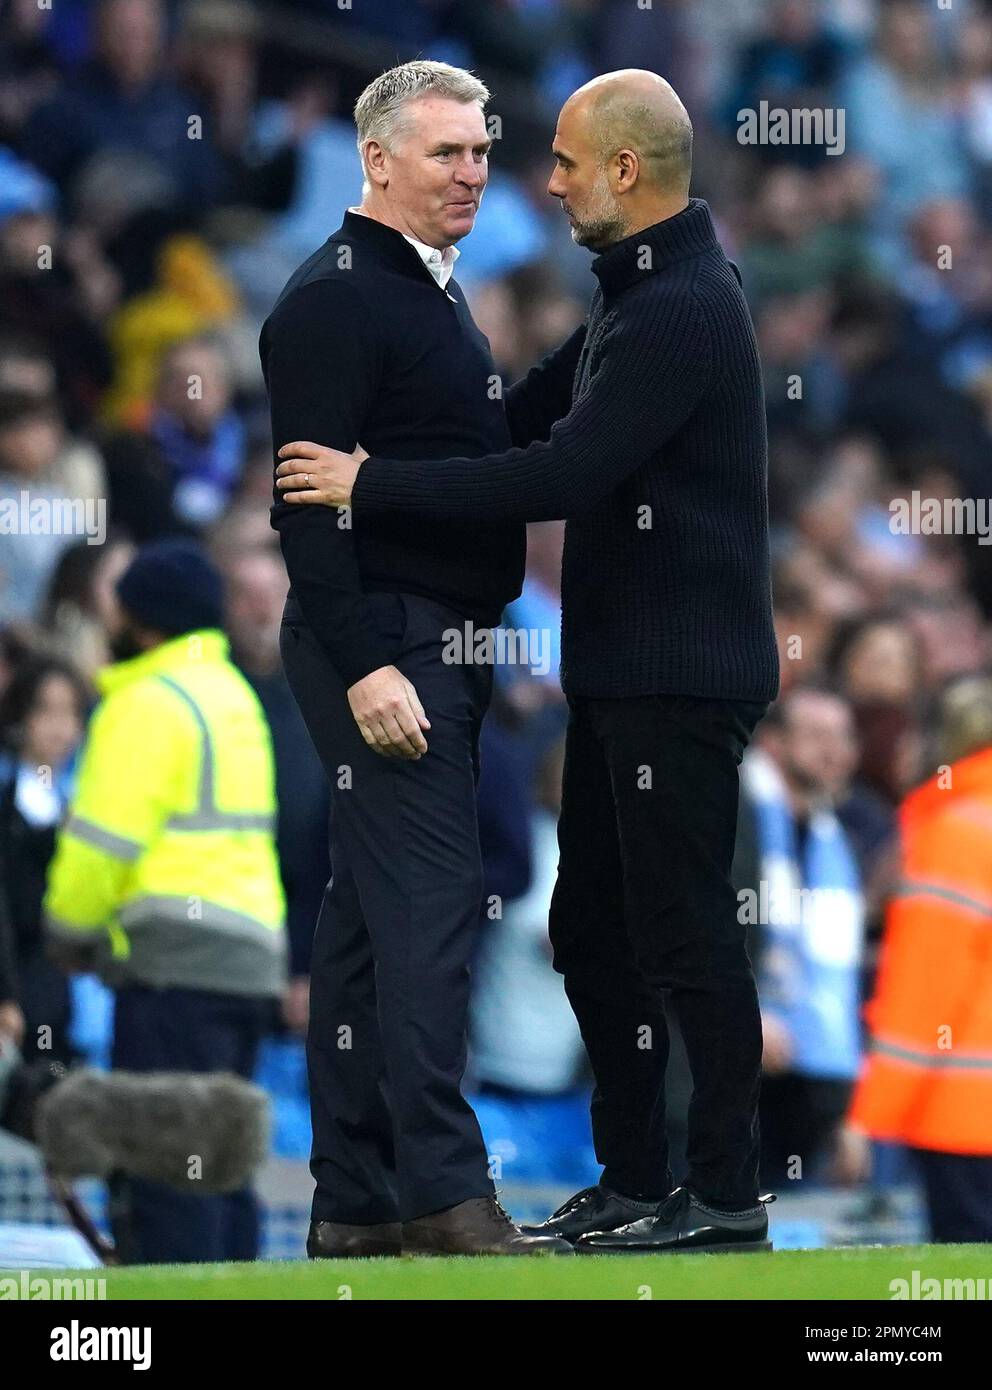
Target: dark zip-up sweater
{"type": "Point", "coordinates": [659, 466]}
{"type": "Point", "coordinates": [363, 346]}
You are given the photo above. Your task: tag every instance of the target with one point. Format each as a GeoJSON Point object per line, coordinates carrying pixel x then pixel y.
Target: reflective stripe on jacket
{"type": "Point", "coordinates": [170, 840]}
{"type": "Point", "coordinates": [928, 1078]}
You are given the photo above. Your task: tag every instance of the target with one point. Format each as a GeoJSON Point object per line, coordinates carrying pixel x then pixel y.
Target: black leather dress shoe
{"type": "Point", "coordinates": [683, 1225]}
{"type": "Point", "coordinates": [592, 1209]}
{"type": "Point", "coordinates": [331, 1240]}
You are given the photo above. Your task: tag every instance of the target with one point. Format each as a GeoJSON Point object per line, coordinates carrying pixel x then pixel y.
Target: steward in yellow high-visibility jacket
{"type": "Point", "coordinates": [170, 841]}
{"type": "Point", "coordinates": [168, 855]}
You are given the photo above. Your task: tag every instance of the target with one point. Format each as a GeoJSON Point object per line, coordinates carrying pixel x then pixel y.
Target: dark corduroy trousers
{"type": "Point", "coordinates": [393, 1136]}
{"type": "Point", "coordinates": [644, 903]}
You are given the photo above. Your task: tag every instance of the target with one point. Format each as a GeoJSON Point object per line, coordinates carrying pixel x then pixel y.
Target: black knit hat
{"type": "Point", "coordinates": [173, 587]}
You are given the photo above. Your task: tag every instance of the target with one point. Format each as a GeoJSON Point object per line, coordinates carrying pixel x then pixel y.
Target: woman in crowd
{"type": "Point", "coordinates": [42, 712]}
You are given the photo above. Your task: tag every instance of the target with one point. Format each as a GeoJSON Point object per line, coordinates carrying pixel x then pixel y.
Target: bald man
{"type": "Point", "coordinates": [646, 432]}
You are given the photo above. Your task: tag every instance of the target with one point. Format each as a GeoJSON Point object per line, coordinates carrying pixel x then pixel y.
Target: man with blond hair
{"type": "Point", "coordinates": [372, 340]}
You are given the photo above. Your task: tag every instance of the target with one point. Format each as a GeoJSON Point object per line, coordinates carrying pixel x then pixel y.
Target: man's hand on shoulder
{"type": "Point", "coordinates": [388, 713]}
{"type": "Point", "coordinates": [314, 474]}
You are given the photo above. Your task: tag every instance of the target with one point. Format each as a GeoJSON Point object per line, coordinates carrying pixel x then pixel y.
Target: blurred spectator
{"type": "Point", "coordinates": [218, 57]}
{"type": "Point", "coordinates": [199, 434]}
{"type": "Point", "coordinates": [530, 691]}
{"type": "Point", "coordinates": [896, 394]}
{"type": "Point", "coordinates": [256, 586]}
{"type": "Point", "coordinates": [619, 37]}
{"type": "Point", "coordinates": [44, 299]}
{"type": "Point", "coordinates": [40, 469]}
{"type": "Point", "coordinates": [81, 611]}
{"type": "Point", "coordinates": [41, 724]}
{"type": "Point", "coordinates": [972, 42]}
{"type": "Point", "coordinates": [28, 69]}
{"type": "Point", "coordinates": [25, 369]}
{"type": "Point", "coordinates": [180, 471]}
{"type": "Point", "coordinates": [877, 663]}
{"type": "Point", "coordinates": [165, 877]}
{"type": "Point", "coordinates": [795, 61]}
{"type": "Point", "coordinates": [951, 309]}
{"type": "Point", "coordinates": [397, 21]}
{"type": "Point", "coordinates": [795, 247]}
{"type": "Point", "coordinates": [326, 175]}
{"type": "Point", "coordinates": [534, 689]}
{"type": "Point", "coordinates": [126, 99]}
{"type": "Point", "coordinates": [954, 638]}
{"type": "Point", "coordinates": [795, 368]}
{"type": "Point", "coordinates": [190, 297]}
{"type": "Point", "coordinates": [899, 117]}
{"type": "Point", "coordinates": [926, 1083]}
{"type": "Point", "coordinates": [16, 648]}
{"type": "Point", "coordinates": [807, 916]}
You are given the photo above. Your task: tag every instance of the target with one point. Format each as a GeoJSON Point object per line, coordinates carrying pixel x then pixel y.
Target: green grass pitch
{"type": "Point", "coordinates": [855, 1273]}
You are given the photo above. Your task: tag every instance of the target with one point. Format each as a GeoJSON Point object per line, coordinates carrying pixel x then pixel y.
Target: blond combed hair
{"type": "Point", "coordinates": [380, 110]}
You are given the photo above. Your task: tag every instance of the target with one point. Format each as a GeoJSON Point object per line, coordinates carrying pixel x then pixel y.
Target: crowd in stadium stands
{"type": "Point", "coordinates": [163, 168]}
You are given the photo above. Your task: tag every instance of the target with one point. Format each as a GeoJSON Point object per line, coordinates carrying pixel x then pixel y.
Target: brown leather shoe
{"type": "Point", "coordinates": [330, 1240]}
{"type": "Point", "coordinates": [479, 1226]}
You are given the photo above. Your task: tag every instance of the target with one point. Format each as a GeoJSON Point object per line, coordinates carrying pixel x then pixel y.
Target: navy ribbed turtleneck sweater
{"type": "Point", "coordinates": [658, 461]}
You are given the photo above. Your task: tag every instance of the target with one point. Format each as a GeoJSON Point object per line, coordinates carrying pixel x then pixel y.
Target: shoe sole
{"type": "Point", "coordinates": [490, 1254]}
{"type": "Point", "coordinates": [749, 1247]}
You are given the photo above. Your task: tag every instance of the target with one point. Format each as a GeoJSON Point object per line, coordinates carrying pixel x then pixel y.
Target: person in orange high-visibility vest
{"type": "Point", "coordinates": [927, 1082]}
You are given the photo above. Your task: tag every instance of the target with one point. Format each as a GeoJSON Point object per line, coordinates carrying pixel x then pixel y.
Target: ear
{"type": "Point", "coordinates": [376, 158]}
{"type": "Point", "coordinates": [626, 167]}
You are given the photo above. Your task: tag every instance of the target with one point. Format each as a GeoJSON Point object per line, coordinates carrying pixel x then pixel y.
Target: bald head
{"type": "Point", "coordinates": [639, 111]}
{"type": "Point", "coordinates": [624, 150]}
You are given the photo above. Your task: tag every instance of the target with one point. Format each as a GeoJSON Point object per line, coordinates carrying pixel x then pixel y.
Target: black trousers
{"type": "Point", "coordinates": [185, 1030]}
{"type": "Point", "coordinates": [393, 1136]}
{"type": "Point", "coordinates": [644, 903]}
{"type": "Point", "coordinates": [958, 1189]}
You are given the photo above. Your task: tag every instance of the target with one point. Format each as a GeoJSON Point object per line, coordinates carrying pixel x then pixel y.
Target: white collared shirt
{"type": "Point", "coordinates": [441, 264]}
